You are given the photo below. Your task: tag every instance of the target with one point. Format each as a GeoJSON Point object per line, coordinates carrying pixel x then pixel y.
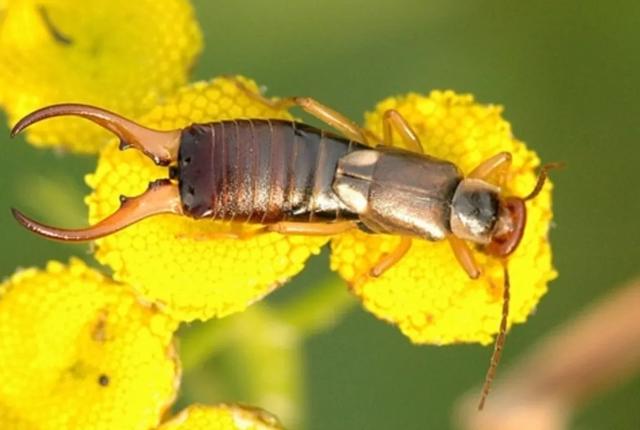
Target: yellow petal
{"type": "Point", "coordinates": [118, 54]}
{"type": "Point", "coordinates": [427, 294]}
{"type": "Point", "coordinates": [78, 351]}
{"type": "Point", "coordinates": [169, 259]}
{"type": "Point", "coordinates": [221, 417]}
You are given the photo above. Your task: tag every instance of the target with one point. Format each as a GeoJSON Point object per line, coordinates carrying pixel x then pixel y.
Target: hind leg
{"type": "Point", "coordinates": [313, 107]}
{"type": "Point", "coordinates": [285, 227]}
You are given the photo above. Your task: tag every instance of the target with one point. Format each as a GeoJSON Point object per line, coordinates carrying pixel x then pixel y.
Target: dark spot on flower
{"type": "Point", "coordinates": [98, 333]}
{"type": "Point", "coordinates": [57, 35]}
{"type": "Point", "coordinates": [103, 380]}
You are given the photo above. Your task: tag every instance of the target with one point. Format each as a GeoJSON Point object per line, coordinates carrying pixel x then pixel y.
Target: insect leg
{"type": "Point", "coordinates": [310, 229]}
{"type": "Point", "coordinates": [312, 107]}
{"type": "Point", "coordinates": [464, 256]}
{"type": "Point", "coordinates": [388, 260]}
{"type": "Point", "coordinates": [234, 234]}
{"type": "Point", "coordinates": [392, 119]}
{"type": "Point", "coordinates": [303, 229]}
{"type": "Point", "coordinates": [501, 161]}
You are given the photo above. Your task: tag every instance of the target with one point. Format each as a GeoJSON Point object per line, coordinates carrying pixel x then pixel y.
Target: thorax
{"type": "Point", "coordinates": [398, 192]}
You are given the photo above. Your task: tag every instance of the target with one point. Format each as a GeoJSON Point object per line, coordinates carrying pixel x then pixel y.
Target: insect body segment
{"type": "Point", "coordinates": [261, 171]}
{"type": "Point", "coordinates": [398, 192]}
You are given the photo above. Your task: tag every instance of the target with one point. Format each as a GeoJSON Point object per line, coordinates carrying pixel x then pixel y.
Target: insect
{"type": "Point", "coordinates": [293, 178]}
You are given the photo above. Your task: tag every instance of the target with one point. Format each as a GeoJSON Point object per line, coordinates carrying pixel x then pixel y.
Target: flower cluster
{"type": "Point", "coordinates": [222, 417]}
{"type": "Point", "coordinates": [118, 54]}
{"type": "Point", "coordinates": [81, 350]}
{"type": "Point", "coordinates": [427, 294]}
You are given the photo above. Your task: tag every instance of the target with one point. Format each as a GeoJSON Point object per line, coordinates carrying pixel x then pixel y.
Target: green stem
{"type": "Point", "coordinates": [265, 345]}
{"type": "Point", "coordinates": [202, 341]}
{"type": "Point", "coordinates": [319, 309]}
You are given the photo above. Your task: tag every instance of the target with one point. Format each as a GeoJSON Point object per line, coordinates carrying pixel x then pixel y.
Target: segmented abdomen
{"type": "Point", "coordinates": [261, 171]}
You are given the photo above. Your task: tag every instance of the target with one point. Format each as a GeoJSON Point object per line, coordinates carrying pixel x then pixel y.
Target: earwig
{"type": "Point", "coordinates": [293, 178]}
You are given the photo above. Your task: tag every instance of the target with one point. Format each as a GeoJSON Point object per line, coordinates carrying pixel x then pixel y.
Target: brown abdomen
{"type": "Point", "coordinates": [261, 171]}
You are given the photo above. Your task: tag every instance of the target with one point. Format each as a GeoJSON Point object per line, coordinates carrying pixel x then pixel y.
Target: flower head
{"type": "Point", "coordinates": [427, 294]}
{"type": "Point", "coordinates": [175, 261]}
{"type": "Point", "coordinates": [222, 417]}
{"type": "Point", "coordinates": [80, 351]}
{"type": "Point", "coordinates": [118, 54]}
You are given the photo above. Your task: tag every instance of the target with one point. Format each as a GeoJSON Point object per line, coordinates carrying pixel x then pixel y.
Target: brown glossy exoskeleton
{"type": "Point", "coordinates": [293, 178]}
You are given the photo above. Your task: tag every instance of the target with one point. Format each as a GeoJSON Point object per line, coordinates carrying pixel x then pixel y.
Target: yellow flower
{"type": "Point", "coordinates": [221, 417]}
{"type": "Point", "coordinates": [118, 54]}
{"type": "Point", "coordinates": [427, 294]}
{"type": "Point", "coordinates": [168, 259]}
{"type": "Point", "coordinates": [79, 351]}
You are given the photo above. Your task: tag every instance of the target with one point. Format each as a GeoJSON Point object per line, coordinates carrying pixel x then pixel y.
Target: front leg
{"type": "Point", "coordinates": [464, 256]}
{"type": "Point", "coordinates": [501, 162]}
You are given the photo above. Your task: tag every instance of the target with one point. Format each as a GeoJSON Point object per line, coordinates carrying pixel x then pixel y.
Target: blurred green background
{"type": "Point", "coordinates": [567, 73]}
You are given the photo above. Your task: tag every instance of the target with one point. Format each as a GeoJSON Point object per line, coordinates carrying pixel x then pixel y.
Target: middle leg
{"type": "Point", "coordinates": [393, 120]}
{"type": "Point", "coordinates": [388, 260]}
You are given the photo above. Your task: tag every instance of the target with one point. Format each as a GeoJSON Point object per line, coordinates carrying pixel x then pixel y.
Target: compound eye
{"type": "Point", "coordinates": [513, 214]}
